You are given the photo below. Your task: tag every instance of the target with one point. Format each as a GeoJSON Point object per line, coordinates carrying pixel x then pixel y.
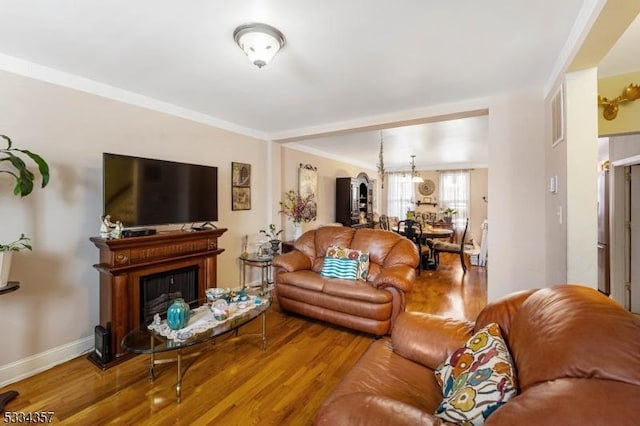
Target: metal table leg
{"type": "Point", "coordinates": [179, 382]}
{"type": "Point", "coordinates": [264, 330]}
{"type": "Point", "coordinates": [244, 273]}
{"type": "Point", "coordinates": [153, 360]}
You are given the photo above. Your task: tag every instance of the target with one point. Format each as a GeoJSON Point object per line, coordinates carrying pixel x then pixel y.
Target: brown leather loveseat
{"type": "Point", "coordinates": [370, 306]}
{"type": "Point", "coordinates": [576, 355]}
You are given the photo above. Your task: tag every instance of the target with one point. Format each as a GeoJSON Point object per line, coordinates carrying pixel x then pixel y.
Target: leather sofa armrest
{"type": "Point", "coordinates": [362, 409]}
{"type": "Point", "coordinates": [428, 339]}
{"type": "Point", "coordinates": [293, 261]}
{"type": "Point", "coordinates": [398, 276]}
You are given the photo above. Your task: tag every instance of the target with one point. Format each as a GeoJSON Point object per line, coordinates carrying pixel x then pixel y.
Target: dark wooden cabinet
{"type": "Point", "coordinates": [354, 201]}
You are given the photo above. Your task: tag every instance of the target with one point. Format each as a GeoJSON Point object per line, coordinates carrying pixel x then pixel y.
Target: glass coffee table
{"type": "Point", "coordinates": [203, 327]}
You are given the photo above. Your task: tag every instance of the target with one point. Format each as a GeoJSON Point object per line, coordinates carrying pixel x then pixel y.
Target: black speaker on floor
{"type": "Point", "coordinates": [102, 345]}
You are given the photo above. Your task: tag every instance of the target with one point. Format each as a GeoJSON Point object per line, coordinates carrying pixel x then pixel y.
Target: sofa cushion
{"type": "Point", "coordinates": [502, 311]}
{"type": "Point", "coordinates": [477, 378]}
{"type": "Point", "coordinates": [571, 402]}
{"type": "Point", "coordinates": [428, 339]}
{"type": "Point", "coordinates": [326, 237]}
{"type": "Point", "coordinates": [559, 332]}
{"type": "Point", "coordinates": [381, 372]}
{"type": "Point", "coordinates": [307, 280]}
{"type": "Point", "coordinates": [361, 291]}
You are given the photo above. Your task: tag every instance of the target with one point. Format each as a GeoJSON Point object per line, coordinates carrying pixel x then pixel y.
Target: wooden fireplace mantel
{"type": "Point", "coordinates": [124, 261]}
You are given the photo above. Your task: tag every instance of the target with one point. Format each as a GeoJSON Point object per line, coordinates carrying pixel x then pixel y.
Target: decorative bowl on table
{"type": "Point", "coordinates": [243, 296]}
{"type": "Point", "coordinates": [216, 293]}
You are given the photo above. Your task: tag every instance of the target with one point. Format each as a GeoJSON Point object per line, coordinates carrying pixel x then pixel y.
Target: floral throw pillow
{"type": "Point", "coordinates": [477, 378]}
{"type": "Point", "coordinates": [346, 263]}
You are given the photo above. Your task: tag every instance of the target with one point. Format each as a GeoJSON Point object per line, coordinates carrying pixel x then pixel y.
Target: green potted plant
{"type": "Point", "coordinates": [448, 213]}
{"type": "Point", "coordinates": [13, 164]}
{"type": "Point", "coordinates": [272, 234]}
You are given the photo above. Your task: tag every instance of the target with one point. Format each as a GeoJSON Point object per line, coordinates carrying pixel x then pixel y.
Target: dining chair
{"type": "Point", "coordinates": [413, 231]}
{"type": "Point", "coordinates": [446, 247]}
{"type": "Point", "coordinates": [384, 222]}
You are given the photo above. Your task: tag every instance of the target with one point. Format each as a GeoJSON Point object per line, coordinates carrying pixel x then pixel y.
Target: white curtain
{"type": "Point", "coordinates": [455, 193]}
{"type": "Point", "coordinates": [399, 195]}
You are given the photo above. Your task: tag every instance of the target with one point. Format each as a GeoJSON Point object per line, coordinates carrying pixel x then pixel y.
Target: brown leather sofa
{"type": "Point", "coordinates": [370, 306]}
{"type": "Point", "coordinates": [576, 354]}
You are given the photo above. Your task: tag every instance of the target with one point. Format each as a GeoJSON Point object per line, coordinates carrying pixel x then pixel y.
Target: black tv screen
{"type": "Point", "coordinates": [142, 191]}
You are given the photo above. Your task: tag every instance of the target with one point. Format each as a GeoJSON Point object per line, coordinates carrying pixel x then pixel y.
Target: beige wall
{"type": "Point", "coordinates": [53, 314]}
{"type": "Point", "coordinates": [328, 171]}
{"type": "Point", "coordinates": [582, 167]}
{"type": "Point", "coordinates": [571, 221]}
{"type": "Point", "coordinates": [555, 203]}
{"type": "Point", "coordinates": [479, 208]}
{"type": "Point", "coordinates": [516, 245]}
{"type": "Point", "coordinates": [628, 119]}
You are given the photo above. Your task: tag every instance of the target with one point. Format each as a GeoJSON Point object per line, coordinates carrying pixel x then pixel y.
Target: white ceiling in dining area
{"type": "Point", "coordinates": [450, 144]}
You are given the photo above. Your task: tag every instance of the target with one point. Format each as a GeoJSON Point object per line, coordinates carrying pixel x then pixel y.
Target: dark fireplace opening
{"type": "Point", "coordinates": [158, 291]}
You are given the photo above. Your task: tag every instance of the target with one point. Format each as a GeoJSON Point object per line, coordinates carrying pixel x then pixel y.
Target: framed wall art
{"type": "Point", "coordinates": [240, 186]}
{"type": "Point", "coordinates": [241, 198]}
{"type": "Point", "coordinates": [240, 174]}
{"type": "Point", "coordinates": [307, 180]}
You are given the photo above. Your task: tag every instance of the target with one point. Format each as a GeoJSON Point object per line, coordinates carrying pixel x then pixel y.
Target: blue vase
{"type": "Point", "coordinates": [178, 314]}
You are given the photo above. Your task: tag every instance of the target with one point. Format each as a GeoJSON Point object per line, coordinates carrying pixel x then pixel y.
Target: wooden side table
{"type": "Point", "coordinates": [9, 395]}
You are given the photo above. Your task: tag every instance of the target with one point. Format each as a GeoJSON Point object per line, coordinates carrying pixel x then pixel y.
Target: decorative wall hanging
{"type": "Point", "coordinates": [307, 180]}
{"type": "Point", "coordinates": [427, 187]}
{"type": "Point", "coordinates": [611, 107]}
{"type": "Point", "coordinates": [557, 117]}
{"type": "Point", "coordinates": [240, 186]}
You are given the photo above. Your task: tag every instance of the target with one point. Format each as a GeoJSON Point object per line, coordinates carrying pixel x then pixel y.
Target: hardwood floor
{"type": "Point", "coordinates": [234, 382]}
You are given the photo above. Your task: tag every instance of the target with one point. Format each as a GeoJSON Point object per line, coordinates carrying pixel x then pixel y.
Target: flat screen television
{"type": "Point", "coordinates": [141, 192]}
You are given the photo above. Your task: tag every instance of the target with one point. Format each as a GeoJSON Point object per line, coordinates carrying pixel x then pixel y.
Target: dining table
{"type": "Point", "coordinates": [429, 232]}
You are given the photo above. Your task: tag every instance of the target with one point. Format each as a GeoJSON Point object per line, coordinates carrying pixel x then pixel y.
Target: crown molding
{"type": "Point", "coordinates": [60, 78]}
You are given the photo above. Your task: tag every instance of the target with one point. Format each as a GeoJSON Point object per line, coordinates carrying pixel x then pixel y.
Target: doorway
{"type": "Point", "coordinates": [633, 237]}
{"type": "Point", "coordinates": [624, 152]}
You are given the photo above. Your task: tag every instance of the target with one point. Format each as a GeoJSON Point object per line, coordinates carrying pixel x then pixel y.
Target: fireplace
{"type": "Point", "coordinates": [137, 270]}
{"type": "Point", "coordinates": [158, 291]}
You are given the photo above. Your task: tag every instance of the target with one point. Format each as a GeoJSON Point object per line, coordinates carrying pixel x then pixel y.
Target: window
{"type": "Point", "coordinates": [455, 193]}
{"type": "Point", "coordinates": [399, 195]}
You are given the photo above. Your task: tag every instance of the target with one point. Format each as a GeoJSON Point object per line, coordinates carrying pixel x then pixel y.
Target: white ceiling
{"type": "Point", "coordinates": [459, 143]}
{"type": "Point", "coordinates": [343, 60]}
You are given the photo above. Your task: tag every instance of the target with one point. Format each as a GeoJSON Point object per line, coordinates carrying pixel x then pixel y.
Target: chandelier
{"type": "Point", "coordinates": [260, 42]}
{"type": "Point", "coordinates": [381, 170]}
{"type": "Point", "coordinates": [415, 177]}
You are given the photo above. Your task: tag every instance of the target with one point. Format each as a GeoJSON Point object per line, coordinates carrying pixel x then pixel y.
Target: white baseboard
{"type": "Point", "coordinates": [38, 363]}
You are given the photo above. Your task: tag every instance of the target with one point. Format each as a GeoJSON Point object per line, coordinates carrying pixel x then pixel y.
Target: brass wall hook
{"type": "Point", "coordinates": [611, 107]}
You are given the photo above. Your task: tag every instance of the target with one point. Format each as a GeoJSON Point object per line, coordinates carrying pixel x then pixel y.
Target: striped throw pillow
{"type": "Point", "coordinates": [339, 268]}
{"type": "Point", "coordinates": [343, 259]}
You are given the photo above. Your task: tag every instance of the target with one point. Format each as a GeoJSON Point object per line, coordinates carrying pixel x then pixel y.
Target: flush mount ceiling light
{"type": "Point", "coordinates": [259, 41]}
